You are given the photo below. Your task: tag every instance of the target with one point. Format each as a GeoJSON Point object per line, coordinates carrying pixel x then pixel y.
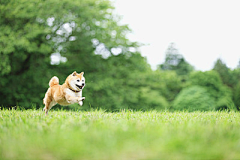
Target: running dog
{"type": "Point", "coordinates": [68, 93]}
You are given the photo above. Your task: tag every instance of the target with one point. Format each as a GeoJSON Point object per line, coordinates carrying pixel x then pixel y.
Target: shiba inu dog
{"type": "Point", "coordinates": [68, 93]}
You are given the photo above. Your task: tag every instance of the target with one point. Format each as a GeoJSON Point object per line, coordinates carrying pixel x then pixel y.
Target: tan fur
{"type": "Point", "coordinates": [62, 94]}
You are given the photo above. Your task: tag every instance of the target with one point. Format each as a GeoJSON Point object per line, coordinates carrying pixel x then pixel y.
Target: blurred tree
{"type": "Point", "coordinates": [113, 87]}
{"type": "Point", "coordinates": [211, 81]}
{"type": "Point", "coordinates": [157, 87]}
{"type": "Point", "coordinates": [32, 30]}
{"type": "Point", "coordinates": [175, 61]}
{"type": "Point", "coordinates": [230, 78]}
{"type": "Point", "coordinates": [24, 52]}
{"type": "Point", "coordinates": [236, 95]}
{"type": "Point", "coordinates": [236, 87]}
{"type": "Point", "coordinates": [151, 99]}
{"type": "Point", "coordinates": [194, 98]}
{"type": "Point", "coordinates": [224, 72]}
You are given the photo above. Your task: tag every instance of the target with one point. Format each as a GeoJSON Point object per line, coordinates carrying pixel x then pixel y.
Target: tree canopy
{"type": "Point", "coordinates": [84, 32]}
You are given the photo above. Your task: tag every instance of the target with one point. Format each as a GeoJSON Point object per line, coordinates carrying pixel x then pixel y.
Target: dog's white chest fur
{"type": "Point", "coordinates": [73, 94]}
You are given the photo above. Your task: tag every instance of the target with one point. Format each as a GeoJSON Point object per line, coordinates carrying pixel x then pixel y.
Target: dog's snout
{"type": "Point", "coordinates": [83, 84]}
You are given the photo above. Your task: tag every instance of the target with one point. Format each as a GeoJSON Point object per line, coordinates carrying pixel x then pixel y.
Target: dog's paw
{"type": "Point", "coordinates": [80, 103]}
{"type": "Point", "coordinates": [81, 99]}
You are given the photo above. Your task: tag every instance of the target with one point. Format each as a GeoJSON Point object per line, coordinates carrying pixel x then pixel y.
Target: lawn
{"type": "Point", "coordinates": [29, 134]}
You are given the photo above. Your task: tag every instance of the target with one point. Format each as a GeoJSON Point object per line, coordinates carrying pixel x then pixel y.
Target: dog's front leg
{"type": "Point", "coordinates": [71, 99]}
{"type": "Point", "coordinates": [81, 101]}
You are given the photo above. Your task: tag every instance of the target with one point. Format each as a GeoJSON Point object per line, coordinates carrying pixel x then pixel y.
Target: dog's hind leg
{"type": "Point", "coordinates": [48, 102]}
{"type": "Point", "coordinates": [49, 106]}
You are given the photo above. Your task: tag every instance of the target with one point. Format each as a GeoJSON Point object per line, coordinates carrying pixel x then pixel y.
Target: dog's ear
{"type": "Point", "coordinates": [82, 73]}
{"type": "Point", "coordinates": [74, 73]}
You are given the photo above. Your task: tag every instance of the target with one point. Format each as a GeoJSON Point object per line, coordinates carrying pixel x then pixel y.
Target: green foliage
{"type": "Point", "coordinates": [224, 72]}
{"type": "Point", "coordinates": [151, 99]}
{"type": "Point", "coordinates": [31, 31]}
{"type": "Point", "coordinates": [236, 95]}
{"type": "Point", "coordinates": [112, 87]}
{"type": "Point", "coordinates": [21, 36]}
{"type": "Point", "coordinates": [167, 83]}
{"type": "Point", "coordinates": [225, 103]}
{"type": "Point", "coordinates": [212, 82]}
{"type": "Point", "coordinates": [230, 78]}
{"type": "Point", "coordinates": [209, 79]}
{"type": "Point", "coordinates": [235, 74]}
{"type": "Point", "coordinates": [194, 98]}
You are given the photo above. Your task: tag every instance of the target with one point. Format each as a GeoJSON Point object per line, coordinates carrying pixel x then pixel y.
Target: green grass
{"type": "Point", "coordinates": [123, 135]}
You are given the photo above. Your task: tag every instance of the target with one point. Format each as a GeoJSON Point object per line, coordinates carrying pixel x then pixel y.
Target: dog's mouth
{"type": "Point", "coordinates": [80, 87]}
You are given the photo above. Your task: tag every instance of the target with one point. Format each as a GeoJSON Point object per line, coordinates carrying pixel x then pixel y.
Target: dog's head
{"type": "Point", "coordinates": [76, 81]}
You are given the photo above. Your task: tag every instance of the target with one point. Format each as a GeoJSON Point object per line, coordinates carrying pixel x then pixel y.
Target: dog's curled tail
{"type": "Point", "coordinates": [54, 81]}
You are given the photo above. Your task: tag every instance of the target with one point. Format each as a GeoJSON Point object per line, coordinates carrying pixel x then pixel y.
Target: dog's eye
{"type": "Point", "coordinates": [78, 80]}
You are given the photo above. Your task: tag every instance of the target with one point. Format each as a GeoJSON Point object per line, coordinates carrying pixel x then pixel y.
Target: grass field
{"type": "Point", "coordinates": [122, 135]}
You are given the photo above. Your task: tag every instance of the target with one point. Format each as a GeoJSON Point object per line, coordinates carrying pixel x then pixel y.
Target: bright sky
{"type": "Point", "coordinates": [203, 30]}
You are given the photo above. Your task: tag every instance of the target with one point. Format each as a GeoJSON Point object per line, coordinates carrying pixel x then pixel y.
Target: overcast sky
{"type": "Point", "coordinates": [203, 30]}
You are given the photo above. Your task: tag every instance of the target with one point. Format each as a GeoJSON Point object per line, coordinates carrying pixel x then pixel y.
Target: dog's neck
{"type": "Point", "coordinates": [73, 90]}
